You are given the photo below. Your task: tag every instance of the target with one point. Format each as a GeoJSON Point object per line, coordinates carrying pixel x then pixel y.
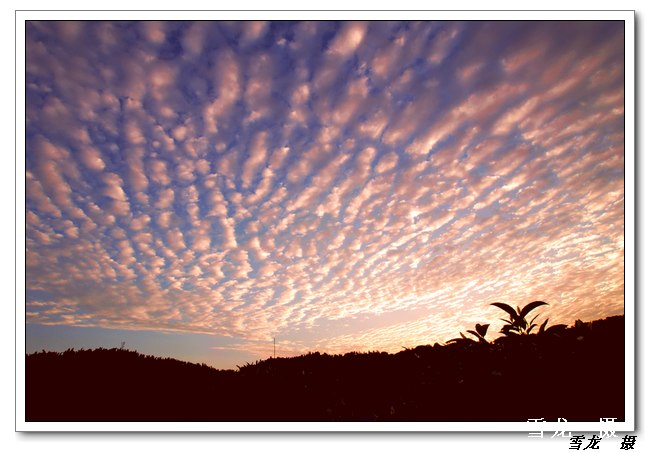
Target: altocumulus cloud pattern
{"type": "Point", "coordinates": [345, 185]}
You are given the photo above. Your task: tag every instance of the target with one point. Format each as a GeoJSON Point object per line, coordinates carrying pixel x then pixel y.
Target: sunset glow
{"type": "Point", "coordinates": [339, 186]}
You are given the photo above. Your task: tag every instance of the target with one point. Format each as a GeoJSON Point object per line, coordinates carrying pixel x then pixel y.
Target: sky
{"type": "Point", "coordinates": [195, 189]}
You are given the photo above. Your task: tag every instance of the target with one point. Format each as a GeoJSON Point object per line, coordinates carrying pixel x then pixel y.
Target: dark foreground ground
{"type": "Point", "coordinates": [576, 374]}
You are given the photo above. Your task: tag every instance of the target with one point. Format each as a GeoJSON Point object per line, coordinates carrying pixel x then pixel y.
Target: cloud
{"type": "Point", "coordinates": [348, 39]}
{"type": "Point", "coordinates": [257, 94]}
{"type": "Point", "coordinates": [257, 156]}
{"type": "Point", "coordinates": [374, 125]}
{"type": "Point", "coordinates": [227, 82]}
{"type": "Point", "coordinates": [346, 185]}
{"type": "Point", "coordinates": [38, 196]}
{"type": "Point", "coordinates": [92, 159]}
{"type": "Point", "coordinates": [158, 171]}
{"type": "Point", "coordinates": [441, 45]}
{"type": "Point", "coordinates": [253, 30]}
{"type": "Point", "coordinates": [194, 38]}
{"type": "Point", "coordinates": [514, 116]}
{"type": "Point", "coordinates": [154, 31]}
{"type": "Point", "coordinates": [384, 61]}
{"type": "Point", "coordinates": [113, 189]}
{"type": "Point", "coordinates": [139, 223]}
{"type": "Point", "coordinates": [341, 47]}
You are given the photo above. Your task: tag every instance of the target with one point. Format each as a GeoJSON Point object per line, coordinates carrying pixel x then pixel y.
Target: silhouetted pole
{"type": "Point", "coordinates": [274, 347]}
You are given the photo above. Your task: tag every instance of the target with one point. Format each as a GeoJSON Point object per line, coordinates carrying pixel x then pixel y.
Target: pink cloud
{"type": "Point", "coordinates": [194, 38]}
{"type": "Point", "coordinates": [34, 191]}
{"type": "Point", "coordinates": [469, 72]}
{"type": "Point", "coordinates": [301, 94]}
{"type": "Point", "coordinates": [229, 238]}
{"type": "Point", "coordinates": [385, 60]}
{"type": "Point", "coordinates": [139, 223]}
{"type": "Point", "coordinates": [136, 173]}
{"type": "Point", "coordinates": [228, 86]}
{"type": "Point", "coordinates": [253, 30]}
{"type": "Point", "coordinates": [348, 39]}
{"type": "Point", "coordinates": [54, 183]}
{"type": "Point", "coordinates": [442, 43]}
{"type": "Point", "coordinates": [134, 133]}
{"type": "Point", "coordinates": [263, 189]}
{"type": "Point", "coordinates": [175, 239]}
{"type": "Point", "coordinates": [219, 205]}
{"type": "Point", "coordinates": [478, 107]}
{"type": "Point", "coordinates": [154, 31]}
{"type": "Point", "coordinates": [185, 170]}
{"type": "Point", "coordinates": [113, 188]}
{"type": "Point", "coordinates": [203, 167]}
{"type": "Point", "coordinates": [257, 156]}
{"type": "Point", "coordinates": [376, 208]}
{"type": "Point", "coordinates": [91, 157]}
{"type": "Point", "coordinates": [514, 116]}
{"type": "Point", "coordinates": [344, 112]}
{"type": "Point", "coordinates": [179, 133]}
{"type": "Point", "coordinates": [165, 199]}
{"type": "Point", "coordinates": [522, 57]}
{"type": "Point", "coordinates": [374, 125]}
{"type": "Point", "coordinates": [158, 171]}
{"type": "Point", "coordinates": [165, 219]}
{"type": "Point", "coordinates": [305, 165]}
{"type": "Point", "coordinates": [320, 184]}
{"type": "Point", "coordinates": [201, 243]}
{"type": "Point", "coordinates": [342, 47]}
{"type": "Point", "coordinates": [257, 94]}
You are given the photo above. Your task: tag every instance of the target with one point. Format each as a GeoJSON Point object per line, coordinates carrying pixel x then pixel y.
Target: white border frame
{"type": "Point", "coordinates": [630, 404]}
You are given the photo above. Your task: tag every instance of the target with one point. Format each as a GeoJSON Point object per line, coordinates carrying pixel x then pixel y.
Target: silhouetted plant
{"type": "Point", "coordinates": [552, 329]}
{"type": "Point", "coordinates": [461, 339]}
{"type": "Point", "coordinates": [423, 383]}
{"type": "Point", "coordinates": [480, 332]}
{"type": "Point", "coordinates": [518, 323]}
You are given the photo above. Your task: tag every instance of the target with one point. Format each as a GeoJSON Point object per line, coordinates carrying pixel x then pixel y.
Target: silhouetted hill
{"type": "Point", "coordinates": [576, 374]}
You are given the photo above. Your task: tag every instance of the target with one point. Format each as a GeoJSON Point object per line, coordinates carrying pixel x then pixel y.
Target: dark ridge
{"type": "Point", "coordinates": [576, 374]}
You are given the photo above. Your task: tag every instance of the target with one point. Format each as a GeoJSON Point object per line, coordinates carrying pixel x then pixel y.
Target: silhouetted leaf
{"type": "Point", "coordinates": [475, 334]}
{"type": "Point", "coordinates": [520, 324]}
{"type": "Point", "coordinates": [478, 336]}
{"type": "Point", "coordinates": [482, 329]}
{"type": "Point", "coordinates": [459, 340]}
{"type": "Point", "coordinates": [506, 329]}
{"type": "Point", "coordinates": [509, 309]}
{"type": "Point", "coordinates": [542, 327]}
{"type": "Point", "coordinates": [556, 329]}
{"type": "Point", "coordinates": [463, 338]}
{"type": "Point", "coordinates": [530, 306]}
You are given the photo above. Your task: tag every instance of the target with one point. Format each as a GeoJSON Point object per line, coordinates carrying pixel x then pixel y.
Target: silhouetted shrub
{"type": "Point", "coordinates": [576, 373]}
